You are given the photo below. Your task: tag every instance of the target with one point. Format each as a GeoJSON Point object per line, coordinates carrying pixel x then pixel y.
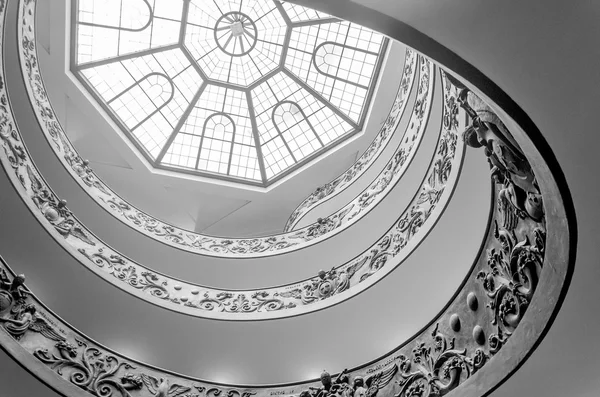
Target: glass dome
{"type": "Point", "coordinates": [243, 90]}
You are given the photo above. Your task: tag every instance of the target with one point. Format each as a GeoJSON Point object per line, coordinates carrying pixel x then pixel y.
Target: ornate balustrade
{"type": "Point", "coordinates": [375, 148]}
{"type": "Point", "coordinates": [327, 288]}
{"type": "Point", "coordinates": [496, 318]}
{"type": "Point", "coordinates": [254, 247]}
{"type": "Point", "coordinates": [489, 310]}
{"type": "Point", "coordinates": [494, 313]}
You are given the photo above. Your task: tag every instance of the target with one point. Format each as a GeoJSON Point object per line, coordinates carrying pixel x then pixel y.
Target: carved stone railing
{"type": "Point", "coordinates": [194, 242]}
{"type": "Point", "coordinates": [494, 315]}
{"type": "Point", "coordinates": [496, 318]}
{"type": "Point", "coordinates": [336, 186]}
{"type": "Point", "coordinates": [326, 289]}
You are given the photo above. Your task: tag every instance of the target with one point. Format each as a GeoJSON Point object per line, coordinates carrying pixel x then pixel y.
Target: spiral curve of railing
{"type": "Point", "coordinates": [499, 313]}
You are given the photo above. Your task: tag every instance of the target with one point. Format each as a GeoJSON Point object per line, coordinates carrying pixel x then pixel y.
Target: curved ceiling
{"type": "Point", "coordinates": [493, 50]}
{"type": "Point", "coordinates": [329, 288]}
{"type": "Point", "coordinates": [207, 355]}
{"type": "Point", "coordinates": [247, 91]}
{"type": "Point", "coordinates": [181, 238]}
{"type": "Point", "coordinates": [179, 329]}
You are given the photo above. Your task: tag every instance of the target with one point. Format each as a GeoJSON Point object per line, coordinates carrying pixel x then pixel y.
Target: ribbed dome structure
{"type": "Point", "coordinates": [272, 198]}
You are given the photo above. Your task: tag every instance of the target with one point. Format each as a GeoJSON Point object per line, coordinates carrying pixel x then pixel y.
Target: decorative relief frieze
{"type": "Point", "coordinates": [493, 300]}
{"type": "Point", "coordinates": [504, 279]}
{"type": "Point", "coordinates": [379, 143]}
{"type": "Point", "coordinates": [209, 245]}
{"type": "Point", "coordinates": [432, 364]}
{"type": "Point", "coordinates": [305, 296]}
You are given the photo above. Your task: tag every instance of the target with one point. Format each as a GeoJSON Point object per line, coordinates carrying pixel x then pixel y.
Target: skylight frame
{"type": "Point", "coordinates": [264, 181]}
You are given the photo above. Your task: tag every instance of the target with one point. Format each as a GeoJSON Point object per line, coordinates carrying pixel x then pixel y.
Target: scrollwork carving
{"type": "Point", "coordinates": [432, 364]}
{"type": "Point", "coordinates": [204, 301]}
{"type": "Point", "coordinates": [513, 276]}
{"type": "Point", "coordinates": [435, 369]}
{"type": "Point", "coordinates": [339, 184]}
{"type": "Point", "coordinates": [92, 370]}
{"type": "Point", "coordinates": [151, 226]}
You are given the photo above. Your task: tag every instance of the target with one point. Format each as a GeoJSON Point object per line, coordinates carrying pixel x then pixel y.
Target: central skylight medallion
{"type": "Point", "coordinates": [235, 33]}
{"type": "Point", "coordinates": [244, 90]}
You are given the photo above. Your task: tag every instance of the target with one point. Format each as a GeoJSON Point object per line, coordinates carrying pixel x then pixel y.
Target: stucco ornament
{"type": "Point", "coordinates": [383, 256]}
{"type": "Point", "coordinates": [437, 367]}
{"type": "Point", "coordinates": [11, 291]}
{"type": "Point", "coordinates": [520, 196]}
{"type": "Point", "coordinates": [24, 319]}
{"type": "Point", "coordinates": [190, 241]}
{"type": "Point", "coordinates": [336, 186]}
{"type": "Point", "coordinates": [161, 388]}
{"type": "Point", "coordinates": [91, 370]}
{"type": "Point", "coordinates": [432, 364]}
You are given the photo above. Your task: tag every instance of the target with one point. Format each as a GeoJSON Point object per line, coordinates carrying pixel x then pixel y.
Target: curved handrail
{"type": "Point", "coordinates": [309, 295]}
{"type": "Point", "coordinates": [442, 358]}
{"type": "Point", "coordinates": [361, 165]}
{"type": "Point", "coordinates": [147, 224]}
{"type": "Point", "coordinates": [313, 294]}
{"type": "Point", "coordinates": [474, 329]}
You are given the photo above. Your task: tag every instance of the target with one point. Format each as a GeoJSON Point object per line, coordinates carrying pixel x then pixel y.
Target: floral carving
{"type": "Point", "coordinates": [162, 388]}
{"type": "Point", "coordinates": [13, 149]}
{"type": "Point", "coordinates": [216, 392]}
{"type": "Point", "coordinates": [435, 369]}
{"type": "Point", "coordinates": [92, 370]}
{"type": "Point", "coordinates": [339, 184]}
{"type": "Point", "coordinates": [167, 291]}
{"type": "Point", "coordinates": [154, 228]}
{"type": "Point", "coordinates": [513, 275]}
{"type": "Point", "coordinates": [508, 276]}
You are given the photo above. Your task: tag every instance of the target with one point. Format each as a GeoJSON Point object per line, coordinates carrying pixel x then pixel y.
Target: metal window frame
{"type": "Point", "coordinates": [357, 126]}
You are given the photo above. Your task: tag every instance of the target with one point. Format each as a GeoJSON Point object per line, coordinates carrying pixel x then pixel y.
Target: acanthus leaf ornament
{"type": "Point", "coordinates": [92, 370]}
{"type": "Point", "coordinates": [435, 369]}
{"type": "Point", "coordinates": [190, 298]}
{"type": "Point", "coordinates": [339, 184]}
{"type": "Point", "coordinates": [153, 227]}
{"type": "Point", "coordinates": [513, 277]}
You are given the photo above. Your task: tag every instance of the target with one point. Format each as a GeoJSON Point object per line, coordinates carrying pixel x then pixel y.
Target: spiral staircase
{"type": "Point", "coordinates": [426, 250]}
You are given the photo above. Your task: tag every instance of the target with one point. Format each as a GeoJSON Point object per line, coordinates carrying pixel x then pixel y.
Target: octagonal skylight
{"type": "Point", "coordinates": [247, 90]}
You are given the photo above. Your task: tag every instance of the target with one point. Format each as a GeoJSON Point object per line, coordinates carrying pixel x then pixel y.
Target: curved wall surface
{"type": "Point", "coordinates": [189, 240]}
{"type": "Point", "coordinates": [263, 272]}
{"type": "Point", "coordinates": [328, 288]}
{"type": "Point", "coordinates": [501, 311]}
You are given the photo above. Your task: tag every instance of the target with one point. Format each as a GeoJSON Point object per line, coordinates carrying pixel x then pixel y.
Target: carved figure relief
{"type": "Point", "coordinates": [431, 365]}
{"type": "Point", "coordinates": [92, 370]}
{"type": "Point", "coordinates": [11, 291]}
{"type": "Point", "coordinates": [54, 210]}
{"type": "Point", "coordinates": [520, 196]}
{"type": "Point", "coordinates": [24, 319]}
{"type": "Point", "coordinates": [161, 388]}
